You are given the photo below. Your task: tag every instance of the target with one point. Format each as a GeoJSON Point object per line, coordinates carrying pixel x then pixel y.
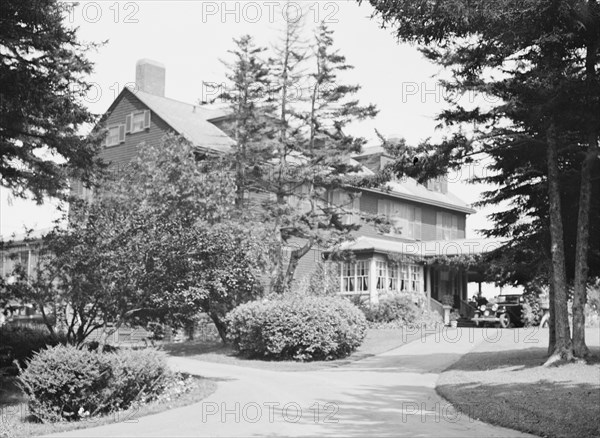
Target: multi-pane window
{"type": "Point", "coordinates": [355, 277]}
{"type": "Point", "coordinates": [115, 135]}
{"type": "Point", "coordinates": [406, 218]}
{"type": "Point", "coordinates": [390, 276]}
{"type": "Point", "coordinates": [381, 268]}
{"type": "Point", "coordinates": [137, 122]}
{"type": "Point", "coordinates": [446, 226]}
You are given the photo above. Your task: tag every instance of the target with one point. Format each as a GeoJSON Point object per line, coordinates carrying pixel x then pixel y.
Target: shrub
{"type": "Point", "coordinates": [300, 328]}
{"type": "Point", "coordinates": [323, 281]}
{"type": "Point", "coordinates": [400, 310]}
{"type": "Point", "coordinates": [24, 341]}
{"type": "Point", "coordinates": [66, 383]}
{"type": "Point", "coordinates": [395, 307]}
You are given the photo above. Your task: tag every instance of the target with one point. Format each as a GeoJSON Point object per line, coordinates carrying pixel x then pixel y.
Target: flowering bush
{"type": "Point", "coordinates": [300, 328]}
{"type": "Point", "coordinates": [66, 383]}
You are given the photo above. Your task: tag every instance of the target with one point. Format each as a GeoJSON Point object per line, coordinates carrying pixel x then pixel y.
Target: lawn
{"type": "Point", "coordinates": [504, 383]}
{"type": "Point", "coordinates": [377, 341]}
{"type": "Point", "coordinates": [15, 420]}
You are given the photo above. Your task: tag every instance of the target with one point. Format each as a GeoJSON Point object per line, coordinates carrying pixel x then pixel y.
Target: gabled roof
{"type": "Point", "coordinates": [190, 121]}
{"type": "Point", "coordinates": [430, 248]}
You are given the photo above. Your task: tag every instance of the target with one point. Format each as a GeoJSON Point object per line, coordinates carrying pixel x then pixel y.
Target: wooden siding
{"type": "Point", "coordinates": [368, 204]}
{"type": "Point", "coordinates": [124, 152]}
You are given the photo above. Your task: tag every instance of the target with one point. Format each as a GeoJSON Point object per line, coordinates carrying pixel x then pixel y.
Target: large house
{"type": "Point", "coordinates": [429, 221]}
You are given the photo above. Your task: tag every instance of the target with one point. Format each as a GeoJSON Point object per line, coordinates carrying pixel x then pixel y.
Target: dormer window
{"type": "Point", "coordinates": [116, 135]}
{"type": "Point", "coordinates": [439, 184]}
{"type": "Point", "coordinates": [137, 121]}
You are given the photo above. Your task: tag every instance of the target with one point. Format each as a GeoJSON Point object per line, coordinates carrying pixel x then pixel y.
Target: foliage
{"type": "Point", "coordinates": [43, 82]}
{"type": "Point", "coordinates": [454, 315]}
{"type": "Point", "coordinates": [398, 308]}
{"type": "Point", "coordinates": [64, 383]}
{"type": "Point", "coordinates": [303, 149]}
{"type": "Point", "coordinates": [323, 281]}
{"type": "Point", "coordinates": [299, 328]}
{"type": "Point", "coordinates": [532, 312]}
{"type": "Point", "coordinates": [448, 300]}
{"type": "Point", "coordinates": [24, 341]}
{"type": "Point", "coordinates": [155, 245]}
{"type": "Point", "coordinates": [535, 65]}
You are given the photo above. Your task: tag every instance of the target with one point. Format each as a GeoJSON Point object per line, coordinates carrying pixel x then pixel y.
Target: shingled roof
{"type": "Point", "coordinates": [189, 120]}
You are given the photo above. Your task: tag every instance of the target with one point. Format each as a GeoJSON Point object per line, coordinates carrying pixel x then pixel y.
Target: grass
{"type": "Point", "coordinates": [377, 341]}
{"type": "Point", "coordinates": [504, 383]}
{"type": "Point", "coordinates": [16, 422]}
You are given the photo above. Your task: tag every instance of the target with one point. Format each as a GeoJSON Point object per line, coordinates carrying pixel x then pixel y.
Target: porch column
{"type": "Point", "coordinates": [427, 272]}
{"type": "Point", "coordinates": [373, 295]}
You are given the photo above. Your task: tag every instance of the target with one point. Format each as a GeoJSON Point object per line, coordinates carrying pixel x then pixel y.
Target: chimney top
{"type": "Point", "coordinates": [150, 77]}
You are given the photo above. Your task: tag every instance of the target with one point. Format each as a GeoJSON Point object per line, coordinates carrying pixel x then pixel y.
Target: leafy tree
{"type": "Point", "coordinates": [43, 72]}
{"type": "Point", "coordinates": [546, 54]}
{"type": "Point", "coordinates": [155, 245]}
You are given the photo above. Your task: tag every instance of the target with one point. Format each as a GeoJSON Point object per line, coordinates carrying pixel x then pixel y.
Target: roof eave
{"type": "Point", "coordinates": [465, 209]}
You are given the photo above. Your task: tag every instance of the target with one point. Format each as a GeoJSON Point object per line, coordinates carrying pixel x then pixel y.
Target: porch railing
{"type": "Point", "coordinates": [466, 310]}
{"type": "Point", "coordinates": [436, 306]}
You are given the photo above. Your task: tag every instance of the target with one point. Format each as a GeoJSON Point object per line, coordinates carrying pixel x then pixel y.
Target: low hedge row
{"type": "Point", "coordinates": [299, 328]}
{"type": "Point", "coordinates": [67, 383]}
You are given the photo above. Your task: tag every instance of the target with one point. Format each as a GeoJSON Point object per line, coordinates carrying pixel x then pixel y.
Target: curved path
{"type": "Point", "coordinates": [391, 394]}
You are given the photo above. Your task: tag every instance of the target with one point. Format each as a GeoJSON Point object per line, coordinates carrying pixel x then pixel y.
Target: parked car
{"type": "Point", "coordinates": [505, 311]}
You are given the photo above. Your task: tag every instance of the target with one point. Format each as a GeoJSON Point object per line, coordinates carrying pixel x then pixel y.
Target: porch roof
{"type": "Point", "coordinates": [431, 248]}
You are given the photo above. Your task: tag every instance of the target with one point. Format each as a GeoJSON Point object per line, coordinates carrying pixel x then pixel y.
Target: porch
{"type": "Point", "coordinates": [423, 269]}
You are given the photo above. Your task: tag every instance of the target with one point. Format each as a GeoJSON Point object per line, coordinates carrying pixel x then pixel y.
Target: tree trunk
{"type": "Point", "coordinates": [580, 349]}
{"type": "Point", "coordinates": [295, 257]}
{"type": "Point", "coordinates": [562, 347]}
{"type": "Point", "coordinates": [221, 327]}
{"type": "Point", "coordinates": [551, 321]}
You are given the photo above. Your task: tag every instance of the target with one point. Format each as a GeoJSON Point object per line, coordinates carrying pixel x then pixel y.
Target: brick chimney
{"type": "Point", "coordinates": [150, 77]}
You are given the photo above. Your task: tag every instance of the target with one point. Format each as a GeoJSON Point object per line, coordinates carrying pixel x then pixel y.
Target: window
{"type": "Point", "coordinates": [415, 278]}
{"type": "Point", "coordinates": [137, 121]}
{"type": "Point", "coordinates": [405, 218]}
{"type": "Point", "coordinates": [355, 277]}
{"type": "Point", "coordinates": [446, 226]}
{"type": "Point", "coordinates": [116, 135]}
{"type": "Point", "coordinates": [399, 277]}
{"type": "Point", "coordinates": [381, 268]}
{"type": "Point", "coordinates": [349, 206]}
{"type": "Point", "coordinates": [439, 184]}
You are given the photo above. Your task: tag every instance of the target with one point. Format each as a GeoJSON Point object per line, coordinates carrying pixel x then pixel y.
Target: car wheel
{"type": "Point", "coordinates": [505, 320]}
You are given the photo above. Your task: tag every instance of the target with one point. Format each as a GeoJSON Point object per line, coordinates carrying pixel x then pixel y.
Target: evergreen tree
{"type": "Point", "coordinates": [43, 72]}
{"type": "Point", "coordinates": [546, 54]}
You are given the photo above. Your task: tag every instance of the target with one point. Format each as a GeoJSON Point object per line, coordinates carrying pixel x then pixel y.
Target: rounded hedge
{"type": "Point", "coordinates": [67, 383]}
{"type": "Point", "coordinates": [298, 328]}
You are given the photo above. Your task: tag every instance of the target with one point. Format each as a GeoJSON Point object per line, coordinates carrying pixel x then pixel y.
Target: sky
{"type": "Point", "coordinates": [191, 37]}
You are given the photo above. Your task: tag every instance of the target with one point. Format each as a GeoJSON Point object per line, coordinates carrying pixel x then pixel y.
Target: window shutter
{"type": "Point", "coordinates": [121, 133]}
{"type": "Point", "coordinates": [146, 119]}
{"type": "Point", "coordinates": [439, 234]}
{"type": "Point", "coordinates": [128, 120]}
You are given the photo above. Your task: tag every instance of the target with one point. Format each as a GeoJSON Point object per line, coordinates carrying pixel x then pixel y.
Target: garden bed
{"type": "Point", "coordinates": [16, 421]}
{"type": "Point", "coordinates": [503, 383]}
